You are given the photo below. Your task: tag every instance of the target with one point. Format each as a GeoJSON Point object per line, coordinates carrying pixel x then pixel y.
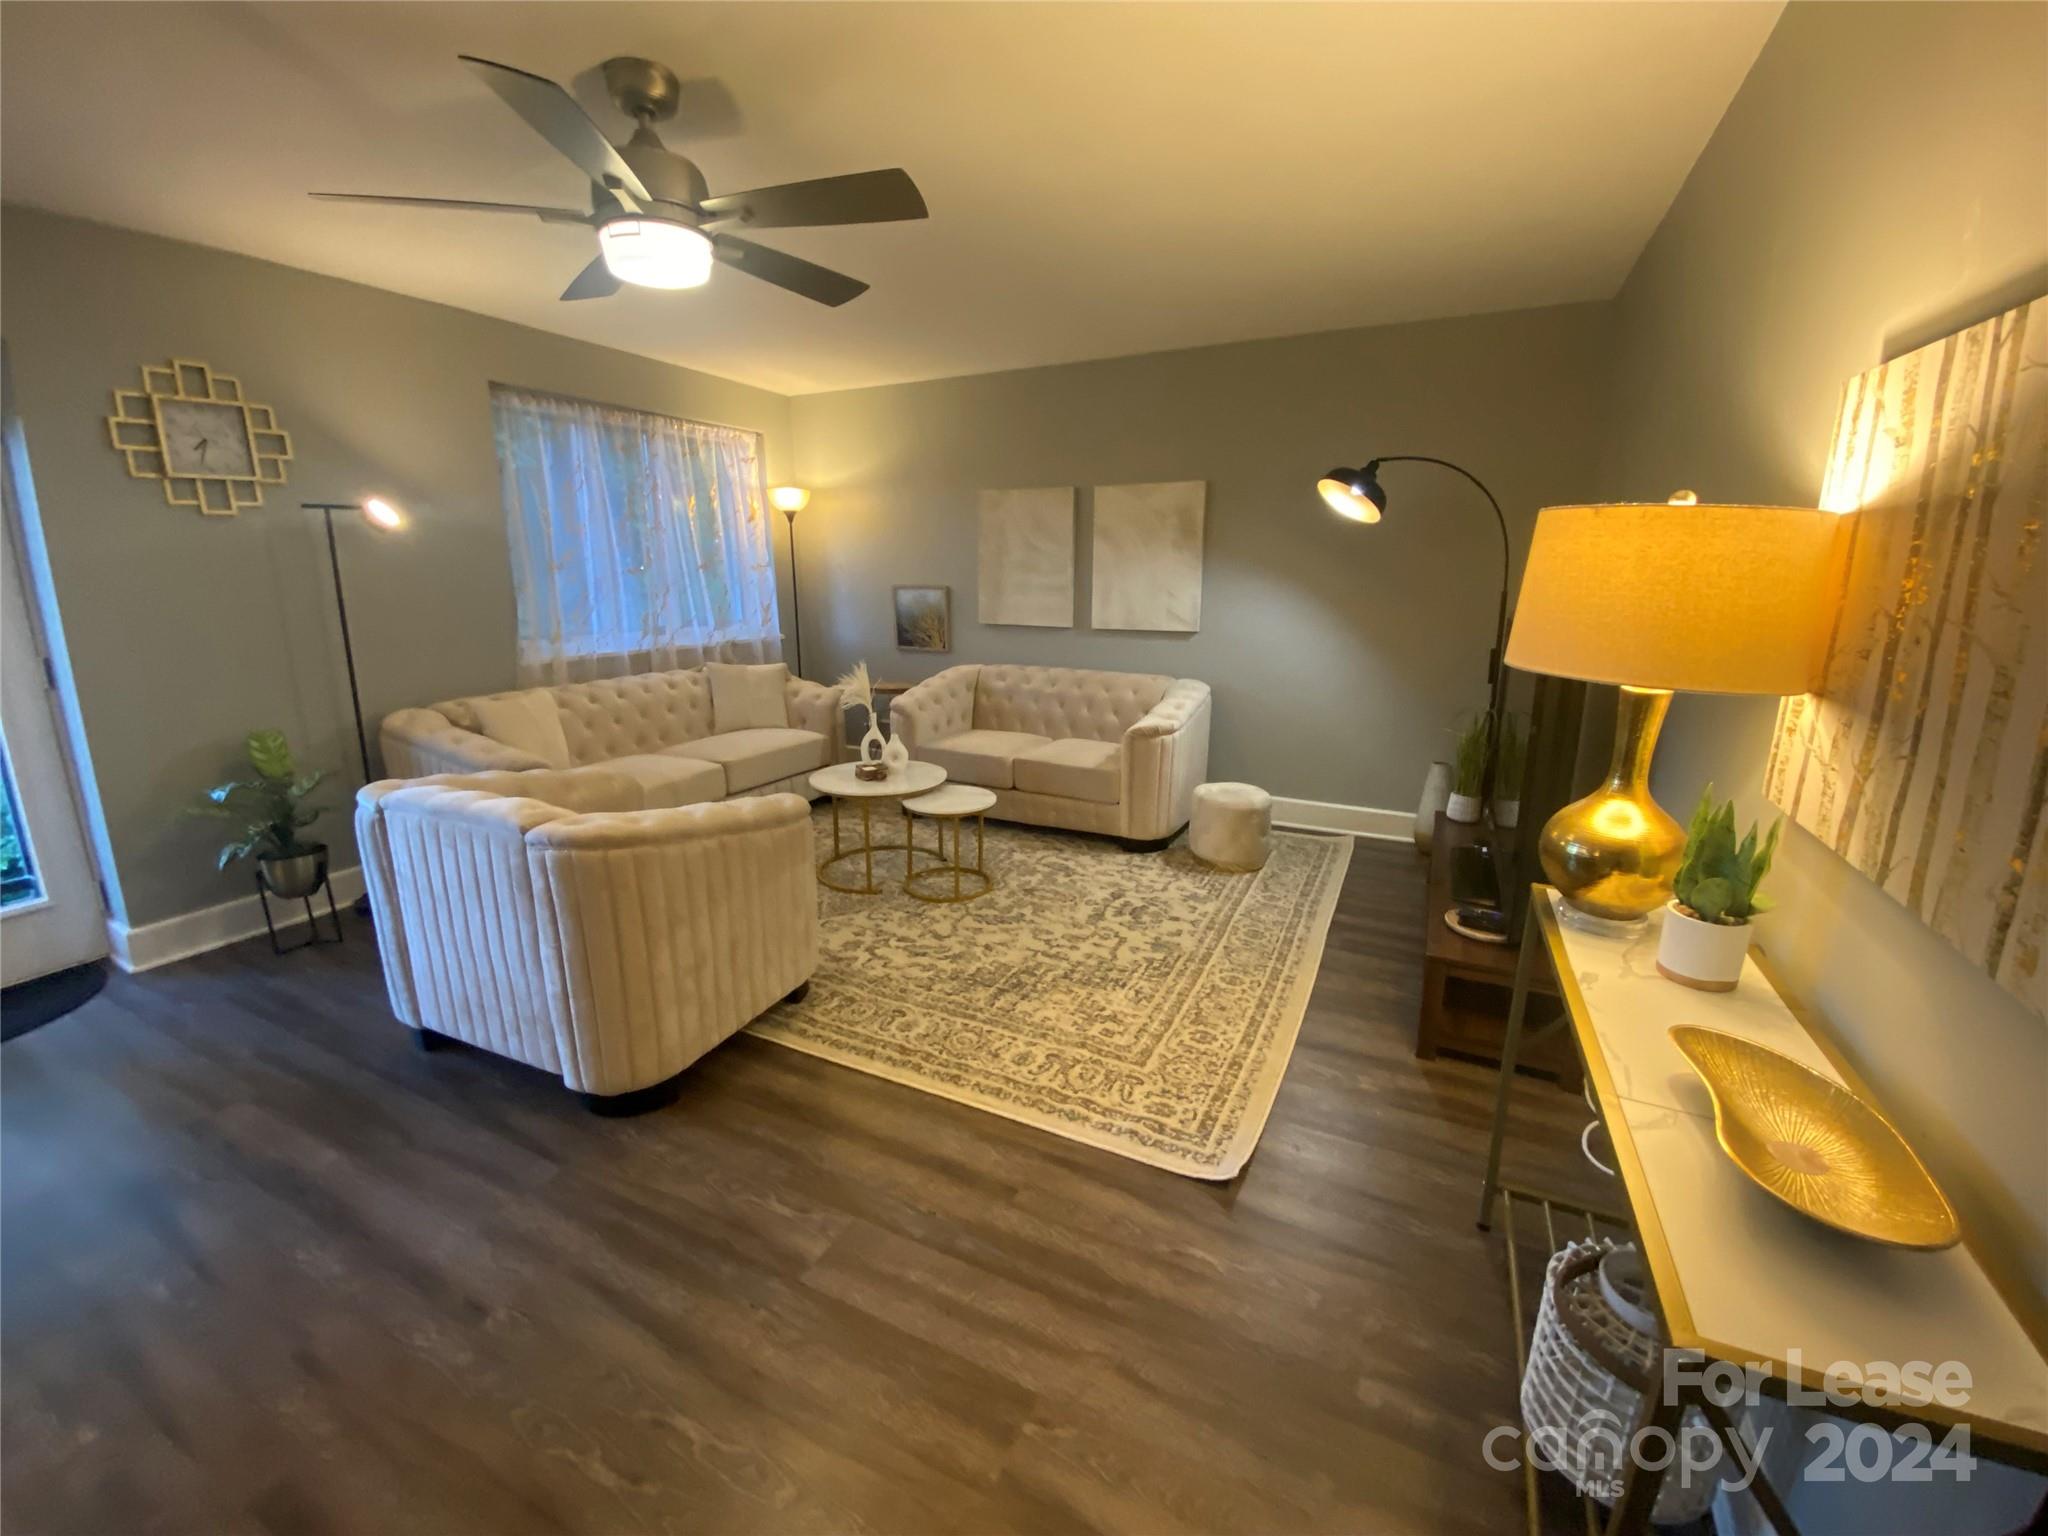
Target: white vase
{"type": "Point", "coordinates": [1506, 813]}
{"type": "Point", "coordinates": [894, 754]}
{"type": "Point", "coordinates": [872, 744]}
{"type": "Point", "coordinates": [1462, 808]}
{"type": "Point", "coordinates": [1696, 953]}
{"type": "Point", "coordinates": [1436, 785]}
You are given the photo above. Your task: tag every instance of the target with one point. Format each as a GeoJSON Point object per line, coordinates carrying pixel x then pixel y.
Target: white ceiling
{"type": "Point", "coordinates": [1104, 179]}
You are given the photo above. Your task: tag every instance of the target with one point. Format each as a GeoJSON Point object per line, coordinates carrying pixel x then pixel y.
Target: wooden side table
{"type": "Point", "coordinates": [1467, 984]}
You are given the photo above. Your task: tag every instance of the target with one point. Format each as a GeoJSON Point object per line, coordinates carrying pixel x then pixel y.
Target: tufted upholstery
{"type": "Point", "coordinates": [1036, 736]}
{"type": "Point", "coordinates": [608, 944]}
{"type": "Point", "coordinates": [1058, 702]}
{"type": "Point", "coordinates": [627, 718]}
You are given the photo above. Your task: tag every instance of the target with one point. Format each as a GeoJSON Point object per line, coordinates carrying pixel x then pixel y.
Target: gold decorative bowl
{"type": "Point", "coordinates": [1815, 1145]}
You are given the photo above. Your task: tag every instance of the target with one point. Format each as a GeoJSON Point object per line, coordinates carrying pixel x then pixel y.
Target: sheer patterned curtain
{"type": "Point", "coordinates": [639, 542]}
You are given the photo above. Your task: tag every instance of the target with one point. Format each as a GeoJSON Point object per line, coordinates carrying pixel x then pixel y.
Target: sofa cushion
{"type": "Point", "coordinates": [667, 780]}
{"type": "Point", "coordinates": [1075, 769]}
{"type": "Point", "coordinates": [529, 721]}
{"type": "Point", "coordinates": [756, 757]}
{"type": "Point", "coordinates": [981, 757]}
{"type": "Point", "coordinates": [745, 698]}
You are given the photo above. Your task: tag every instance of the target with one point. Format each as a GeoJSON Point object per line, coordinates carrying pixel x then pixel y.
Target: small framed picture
{"type": "Point", "coordinates": [924, 618]}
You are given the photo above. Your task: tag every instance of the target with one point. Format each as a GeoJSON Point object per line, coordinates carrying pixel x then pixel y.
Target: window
{"type": "Point", "coordinates": [19, 884]}
{"type": "Point", "coordinates": [639, 542]}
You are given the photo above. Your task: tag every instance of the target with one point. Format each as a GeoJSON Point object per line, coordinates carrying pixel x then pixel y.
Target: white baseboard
{"type": "Point", "coordinates": [1358, 820]}
{"type": "Point", "coordinates": [193, 933]}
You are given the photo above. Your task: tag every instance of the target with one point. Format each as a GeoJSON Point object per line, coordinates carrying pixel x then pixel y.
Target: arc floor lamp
{"type": "Point", "coordinates": [382, 516]}
{"type": "Point", "coordinates": [1358, 495]}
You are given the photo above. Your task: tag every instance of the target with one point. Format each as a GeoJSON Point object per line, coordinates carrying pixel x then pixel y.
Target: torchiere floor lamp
{"type": "Point", "coordinates": [381, 515]}
{"type": "Point", "coordinates": [790, 500]}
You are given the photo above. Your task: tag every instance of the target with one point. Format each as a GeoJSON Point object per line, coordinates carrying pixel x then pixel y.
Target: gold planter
{"type": "Point", "coordinates": [1615, 853]}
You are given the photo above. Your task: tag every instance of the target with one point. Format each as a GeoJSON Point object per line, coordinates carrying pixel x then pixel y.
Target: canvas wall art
{"type": "Point", "coordinates": [1148, 556]}
{"type": "Point", "coordinates": [924, 618]}
{"type": "Point", "coordinates": [1924, 758]}
{"type": "Point", "coordinates": [1027, 558]}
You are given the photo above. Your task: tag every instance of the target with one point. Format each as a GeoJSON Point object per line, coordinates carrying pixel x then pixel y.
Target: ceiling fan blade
{"type": "Point", "coordinates": [545, 215]}
{"type": "Point", "coordinates": [866, 197]}
{"type": "Point", "coordinates": [593, 282]}
{"type": "Point", "coordinates": [786, 271]}
{"type": "Point", "coordinates": [552, 113]}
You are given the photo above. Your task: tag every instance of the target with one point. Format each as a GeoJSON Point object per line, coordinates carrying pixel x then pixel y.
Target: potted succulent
{"type": "Point", "coordinates": [1714, 899]}
{"type": "Point", "coordinates": [270, 811]}
{"type": "Point", "coordinates": [1507, 771]}
{"type": "Point", "coordinates": [1468, 767]}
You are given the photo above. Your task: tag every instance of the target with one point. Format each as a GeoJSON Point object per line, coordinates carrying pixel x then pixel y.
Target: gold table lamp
{"type": "Point", "coordinates": [1656, 597]}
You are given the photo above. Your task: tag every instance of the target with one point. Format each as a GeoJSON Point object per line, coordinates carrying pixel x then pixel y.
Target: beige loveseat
{"type": "Point", "coordinates": [542, 916]}
{"type": "Point", "coordinates": [1109, 752]}
{"type": "Point", "coordinates": [661, 730]}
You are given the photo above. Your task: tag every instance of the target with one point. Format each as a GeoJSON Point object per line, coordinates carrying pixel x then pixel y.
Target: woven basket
{"type": "Point", "coordinates": [1588, 1370]}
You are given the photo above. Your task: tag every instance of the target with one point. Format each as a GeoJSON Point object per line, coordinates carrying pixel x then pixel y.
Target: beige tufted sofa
{"type": "Point", "coordinates": [1109, 752]}
{"type": "Point", "coordinates": [656, 729]}
{"type": "Point", "coordinates": [542, 916]}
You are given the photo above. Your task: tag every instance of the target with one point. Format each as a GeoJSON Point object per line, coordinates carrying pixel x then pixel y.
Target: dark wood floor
{"type": "Point", "coordinates": [267, 1268]}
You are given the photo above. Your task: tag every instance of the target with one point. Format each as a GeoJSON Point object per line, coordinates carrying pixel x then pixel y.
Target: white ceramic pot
{"type": "Point", "coordinates": [895, 754]}
{"type": "Point", "coordinates": [1436, 788]}
{"type": "Point", "coordinates": [1506, 813]}
{"type": "Point", "coordinates": [1700, 954]}
{"type": "Point", "coordinates": [1463, 808]}
{"type": "Point", "coordinates": [872, 744]}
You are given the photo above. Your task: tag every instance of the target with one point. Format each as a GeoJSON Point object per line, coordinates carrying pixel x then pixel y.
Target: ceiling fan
{"type": "Point", "coordinates": [658, 226]}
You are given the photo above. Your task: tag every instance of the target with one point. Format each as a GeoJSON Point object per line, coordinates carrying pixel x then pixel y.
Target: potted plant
{"type": "Point", "coordinates": [1507, 771]}
{"type": "Point", "coordinates": [1714, 899]}
{"type": "Point", "coordinates": [1468, 767]}
{"type": "Point", "coordinates": [270, 811]}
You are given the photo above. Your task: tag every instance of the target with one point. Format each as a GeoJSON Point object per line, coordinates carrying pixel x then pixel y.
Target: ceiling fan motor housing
{"type": "Point", "coordinates": [644, 90]}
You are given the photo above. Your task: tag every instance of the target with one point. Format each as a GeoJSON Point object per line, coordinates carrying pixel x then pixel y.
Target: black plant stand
{"type": "Point", "coordinates": [313, 933]}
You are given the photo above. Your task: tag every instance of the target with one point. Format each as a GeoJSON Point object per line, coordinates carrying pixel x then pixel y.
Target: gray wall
{"type": "Point", "coordinates": [1881, 179]}
{"type": "Point", "coordinates": [187, 631]}
{"type": "Point", "coordinates": [1340, 654]}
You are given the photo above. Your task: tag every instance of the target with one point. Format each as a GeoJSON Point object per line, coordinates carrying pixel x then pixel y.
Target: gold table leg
{"type": "Point", "coordinates": [865, 850]}
{"type": "Point", "coordinates": [957, 867]}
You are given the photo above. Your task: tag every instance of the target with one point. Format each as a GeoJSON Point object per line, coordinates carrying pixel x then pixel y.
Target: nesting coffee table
{"type": "Point", "coordinates": [840, 783]}
{"type": "Point", "coordinates": [950, 803]}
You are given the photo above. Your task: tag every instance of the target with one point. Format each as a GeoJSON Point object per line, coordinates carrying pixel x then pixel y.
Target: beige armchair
{"type": "Point", "coordinates": [1118, 753]}
{"type": "Point", "coordinates": [524, 914]}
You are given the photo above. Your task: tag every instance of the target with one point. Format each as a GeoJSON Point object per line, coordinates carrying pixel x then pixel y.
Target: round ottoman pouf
{"type": "Point", "coordinates": [1233, 826]}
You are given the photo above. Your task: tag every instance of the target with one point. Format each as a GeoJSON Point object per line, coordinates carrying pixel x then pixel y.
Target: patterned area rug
{"type": "Point", "coordinates": [1142, 1003]}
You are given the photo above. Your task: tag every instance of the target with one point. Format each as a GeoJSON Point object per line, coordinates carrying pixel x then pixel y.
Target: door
{"type": "Point", "coordinates": [51, 916]}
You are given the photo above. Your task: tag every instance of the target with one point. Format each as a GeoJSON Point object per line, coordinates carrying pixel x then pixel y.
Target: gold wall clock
{"type": "Point", "coordinates": [190, 428]}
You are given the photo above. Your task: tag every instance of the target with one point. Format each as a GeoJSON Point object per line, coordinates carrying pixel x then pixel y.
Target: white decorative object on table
{"type": "Point", "coordinates": [1232, 827]}
{"type": "Point", "coordinates": [1436, 790]}
{"type": "Point", "coordinates": [894, 753]}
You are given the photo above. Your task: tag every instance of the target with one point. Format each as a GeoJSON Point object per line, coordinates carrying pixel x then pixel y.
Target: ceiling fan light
{"type": "Point", "coordinates": [655, 253]}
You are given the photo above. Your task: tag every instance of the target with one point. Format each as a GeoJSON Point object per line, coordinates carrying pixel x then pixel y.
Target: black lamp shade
{"type": "Point", "coordinates": [1353, 493]}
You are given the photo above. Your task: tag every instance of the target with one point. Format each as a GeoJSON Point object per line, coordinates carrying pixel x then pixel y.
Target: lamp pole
{"type": "Point", "coordinates": [796, 608]}
{"type": "Point", "coordinates": [327, 509]}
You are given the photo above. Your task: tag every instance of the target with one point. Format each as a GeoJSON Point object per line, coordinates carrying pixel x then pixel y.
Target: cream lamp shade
{"type": "Point", "coordinates": [791, 499]}
{"type": "Point", "coordinates": [1679, 595]}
